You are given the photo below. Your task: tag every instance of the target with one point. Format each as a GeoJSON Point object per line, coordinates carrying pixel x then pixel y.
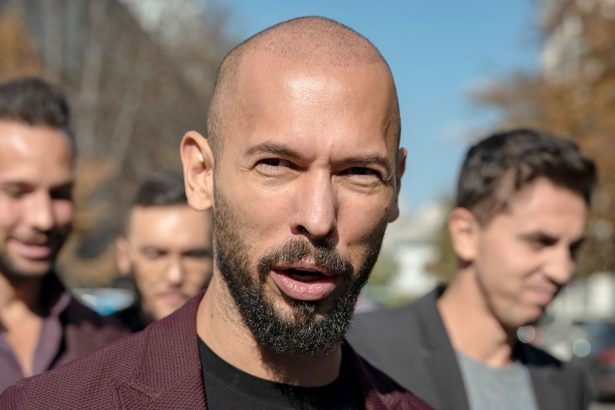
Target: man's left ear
{"type": "Point", "coordinates": [401, 167]}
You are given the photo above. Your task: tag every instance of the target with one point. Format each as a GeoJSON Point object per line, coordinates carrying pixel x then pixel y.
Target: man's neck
{"type": "Point", "coordinates": [221, 327]}
{"type": "Point", "coordinates": [471, 327]}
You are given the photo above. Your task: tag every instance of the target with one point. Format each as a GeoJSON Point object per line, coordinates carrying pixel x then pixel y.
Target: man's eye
{"type": "Point", "coordinates": [198, 254]}
{"type": "Point", "coordinates": [62, 194]}
{"type": "Point", "coordinates": [574, 249]}
{"type": "Point", "coordinates": [274, 166]}
{"type": "Point", "coordinates": [14, 193]}
{"type": "Point", "coordinates": [151, 253]}
{"type": "Point", "coordinates": [273, 162]}
{"type": "Point", "coordinates": [363, 171]}
{"type": "Point", "coordinates": [539, 242]}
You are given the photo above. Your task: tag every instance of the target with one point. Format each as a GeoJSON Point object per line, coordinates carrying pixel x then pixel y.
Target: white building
{"type": "Point", "coordinates": [410, 241]}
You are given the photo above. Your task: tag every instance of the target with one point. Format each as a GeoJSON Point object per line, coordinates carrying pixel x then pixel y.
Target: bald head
{"type": "Point", "coordinates": [309, 41]}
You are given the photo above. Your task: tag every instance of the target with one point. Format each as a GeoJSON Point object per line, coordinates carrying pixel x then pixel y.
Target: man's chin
{"type": "Point", "coordinates": [292, 310]}
{"type": "Point", "coordinates": [530, 319]}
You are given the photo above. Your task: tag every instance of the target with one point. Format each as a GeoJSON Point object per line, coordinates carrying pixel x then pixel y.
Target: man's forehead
{"type": "Point", "coordinates": [306, 49]}
{"type": "Point", "coordinates": [266, 77]}
{"type": "Point", "coordinates": [161, 216]}
{"type": "Point", "coordinates": [35, 155]}
{"type": "Point", "coordinates": [544, 203]}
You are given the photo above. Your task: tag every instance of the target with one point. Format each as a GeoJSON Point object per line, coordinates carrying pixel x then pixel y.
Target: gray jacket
{"type": "Point", "coordinates": [411, 345]}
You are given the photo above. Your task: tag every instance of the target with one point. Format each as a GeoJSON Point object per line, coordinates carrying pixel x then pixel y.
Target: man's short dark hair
{"type": "Point", "coordinates": [502, 164]}
{"type": "Point", "coordinates": [35, 102]}
{"type": "Point", "coordinates": [161, 189]}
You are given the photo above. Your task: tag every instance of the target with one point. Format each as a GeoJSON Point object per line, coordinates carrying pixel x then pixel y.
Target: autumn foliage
{"type": "Point", "coordinates": [134, 91]}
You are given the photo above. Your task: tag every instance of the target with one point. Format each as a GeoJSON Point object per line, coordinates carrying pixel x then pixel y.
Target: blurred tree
{"type": "Point", "coordinates": [445, 266]}
{"type": "Point", "coordinates": [378, 288]}
{"type": "Point", "coordinates": [134, 90]}
{"type": "Point", "coordinates": [17, 52]}
{"type": "Point", "coordinates": [384, 270]}
{"type": "Point", "coordinates": [574, 96]}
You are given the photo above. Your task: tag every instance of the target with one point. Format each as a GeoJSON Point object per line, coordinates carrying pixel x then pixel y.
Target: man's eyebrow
{"type": "Point", "coordinates": [272, 148]}
{"type": "Point", "coordinates": [540, 236]}
{"type": "Point", "coordinates": [148, 247]}
{"type": "Point", "coordinates": [369, 159]}
{"type": "Point", "coordinates": [204, 251]}
{"type": "Point", "coordinates": [70, 185]}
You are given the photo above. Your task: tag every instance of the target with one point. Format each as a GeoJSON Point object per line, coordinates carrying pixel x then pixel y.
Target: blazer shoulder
{"type": "Point", "coordinates": [555, 379]}
{"type": "Point", "coordinates": [394, 323]}
{"type": "Point", "coordinates": [13, 398]}
{"type": "Point", "coordinates": [93, 374]}
{"type": "Point", "coordinates": [374, 382]}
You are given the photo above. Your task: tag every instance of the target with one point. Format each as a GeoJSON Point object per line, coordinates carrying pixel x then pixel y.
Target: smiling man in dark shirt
{"type": "Point", "coordinates": [41, 325]}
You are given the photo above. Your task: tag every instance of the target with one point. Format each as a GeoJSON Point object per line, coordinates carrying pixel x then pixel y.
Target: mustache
{"type": "Point", "coordinates": [298, 250]}
{"type": "Point", "coordinates": [42, 237]}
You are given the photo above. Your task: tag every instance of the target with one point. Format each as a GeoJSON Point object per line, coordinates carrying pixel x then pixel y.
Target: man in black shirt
{"type": "Point", "coordinates": [302, 168]}
{"type": "Point", "coordinates": [229, 388]}
{"type": "Point", "coordinates": [165, 250]}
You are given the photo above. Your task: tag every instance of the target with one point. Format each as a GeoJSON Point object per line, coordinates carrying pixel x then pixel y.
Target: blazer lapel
{"type": "Point", "coordinates": [548, 394]}
{"type": "Point", "coordinates": [168, 373]}
{"type": "Point", "coordinates": [440, 361]}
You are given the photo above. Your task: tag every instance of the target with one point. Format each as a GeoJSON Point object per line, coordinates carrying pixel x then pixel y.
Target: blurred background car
{"type": "Point", "coordinates": [595, 352]}
{"type": "Point", "coordinates": [589, 343]}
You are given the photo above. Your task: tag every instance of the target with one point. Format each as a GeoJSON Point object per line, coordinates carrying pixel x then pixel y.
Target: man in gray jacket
{"type": "Point", "coordinates": [519, 217]}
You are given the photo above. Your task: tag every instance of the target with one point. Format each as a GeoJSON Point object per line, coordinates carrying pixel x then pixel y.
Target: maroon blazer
{"type": "Point", "coordinates": [160, 368]}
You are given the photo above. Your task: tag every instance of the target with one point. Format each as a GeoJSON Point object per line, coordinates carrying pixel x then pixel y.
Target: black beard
{"type": "Point", "coordinates": [307, 332]}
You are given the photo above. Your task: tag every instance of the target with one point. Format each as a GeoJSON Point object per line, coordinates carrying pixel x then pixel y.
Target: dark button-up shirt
{"type": "Point", "coordinates": [68, 330]}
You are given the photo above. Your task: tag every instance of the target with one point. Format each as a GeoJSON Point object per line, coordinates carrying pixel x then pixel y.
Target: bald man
{"type": "Point", "coordinates": [302, 169]}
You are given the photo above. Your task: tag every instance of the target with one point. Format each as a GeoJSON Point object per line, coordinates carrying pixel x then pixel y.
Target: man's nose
{"type": "Point", "coordinates": [175, 271]}
{"type": "Point", "coordinates": [561, 265]}
{"type": "Point", "coordinates": [315, 215]}
{"type": "Point", "coordinates": [40, 214]}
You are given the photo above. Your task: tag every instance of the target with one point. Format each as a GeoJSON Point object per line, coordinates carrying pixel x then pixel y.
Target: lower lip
{"type": "Point", "coordinates": [306, 291]}
{"type": "Point", "coordinates": [32, 251]}
{"type": "Point", "coordinates": [541, 297]}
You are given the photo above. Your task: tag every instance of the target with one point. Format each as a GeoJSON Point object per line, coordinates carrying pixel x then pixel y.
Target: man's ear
{"type": "Point", "coordinates": [401, 168]}
{"type": "Point", "coordinates": [198, 164]}
{"type": "Point", "coordinates": [464, 231]}
{"type": "Point", "coordinates": [122, 256]}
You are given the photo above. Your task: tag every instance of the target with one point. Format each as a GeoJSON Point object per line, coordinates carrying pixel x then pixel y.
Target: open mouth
{"type": "Point", "coordinates": [304, 275]}
{"type": "Point", "coordinates": [304, 283]}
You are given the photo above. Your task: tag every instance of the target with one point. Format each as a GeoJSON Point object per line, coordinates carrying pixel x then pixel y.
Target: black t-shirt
{"type": "Point", "coordinates": [227, 387]}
